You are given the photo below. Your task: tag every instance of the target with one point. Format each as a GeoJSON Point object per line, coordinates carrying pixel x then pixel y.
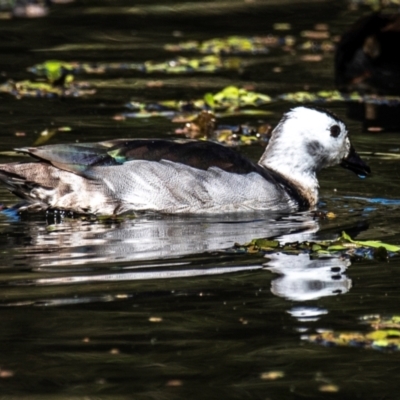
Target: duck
{"type": "Point", "coordinates": [177, 177]}
{"type": "Point", "coordinates": [367, 57]}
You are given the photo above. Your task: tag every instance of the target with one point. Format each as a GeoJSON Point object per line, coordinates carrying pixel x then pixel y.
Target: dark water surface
{"type": "Point", "coordinates": [151, 308]}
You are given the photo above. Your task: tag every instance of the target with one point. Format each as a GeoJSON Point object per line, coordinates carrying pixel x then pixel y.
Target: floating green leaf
{"type": "Point", "coordinates": [54, 70]}
{"type": "Point", "coordinates": [371, 243]}
{"type": "Point", "coordinates": [209, 100]}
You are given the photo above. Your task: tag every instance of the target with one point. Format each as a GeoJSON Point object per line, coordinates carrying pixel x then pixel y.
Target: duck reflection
{"type": "Point", "coordinates": [303, 278]}
{"type": "Point", "coordinates": [153, 237]}
{"type": "Point", "coordinates": [154, 247]}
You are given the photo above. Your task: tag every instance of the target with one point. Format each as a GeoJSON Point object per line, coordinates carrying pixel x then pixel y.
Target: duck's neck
{"type": "Point", "coordinates": [298, 171]}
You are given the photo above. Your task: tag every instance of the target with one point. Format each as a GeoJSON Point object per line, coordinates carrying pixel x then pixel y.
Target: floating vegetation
{"type": "Point", "coordinates": [229, 101]}
{"type": "Point", "coordinates": [233, 98]}
{"type": "Point", "coordinates": [384, 336]}
{"type": "Point", "coordinates": [54, 69]}
{"type": "Point", "coordinates": [45, 89]}
{"type": "Point", "coordinates": [204, 127]}
{"type": "Point", "coordinates": [256, 45]}
{"type": "Point", "coordinates": [59, 75]}
{"type": "Point", "coordinates": [321, 96]}
{"type": "Point", "coordinates": [183, 65]}
{"type": "Point", "coordinates": [344, 246]}
{"type": "Point", "coordinates": [237, 101]}
{"type": "Point", "coordinates": [229, 45]}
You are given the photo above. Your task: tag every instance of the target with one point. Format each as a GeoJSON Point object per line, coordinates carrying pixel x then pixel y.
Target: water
{"type": "Point", "coordinates": [155, 307]}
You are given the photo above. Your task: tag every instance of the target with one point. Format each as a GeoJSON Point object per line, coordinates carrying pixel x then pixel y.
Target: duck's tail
{"type": "Point", "coordinates": [16, 177]}
{"type": "Point", "coordinates": [45, 186]}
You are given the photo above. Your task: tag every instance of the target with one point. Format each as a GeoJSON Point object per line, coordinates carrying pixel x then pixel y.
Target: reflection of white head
{"type": "Point", "coordinates": [307, 279]}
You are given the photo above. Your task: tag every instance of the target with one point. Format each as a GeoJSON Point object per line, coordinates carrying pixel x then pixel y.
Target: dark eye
{"type": "Point", "coordinates": [335, 131]}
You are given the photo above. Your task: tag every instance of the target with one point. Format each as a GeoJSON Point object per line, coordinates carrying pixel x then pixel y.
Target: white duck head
{"type": "Point", "coordinates": [306, 140]}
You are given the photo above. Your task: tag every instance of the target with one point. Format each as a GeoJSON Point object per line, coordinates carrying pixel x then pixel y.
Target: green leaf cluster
{"type": "Point", "coordinates": [229, 101]}
{"type": "Point", "coordinates": [344, 244]}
